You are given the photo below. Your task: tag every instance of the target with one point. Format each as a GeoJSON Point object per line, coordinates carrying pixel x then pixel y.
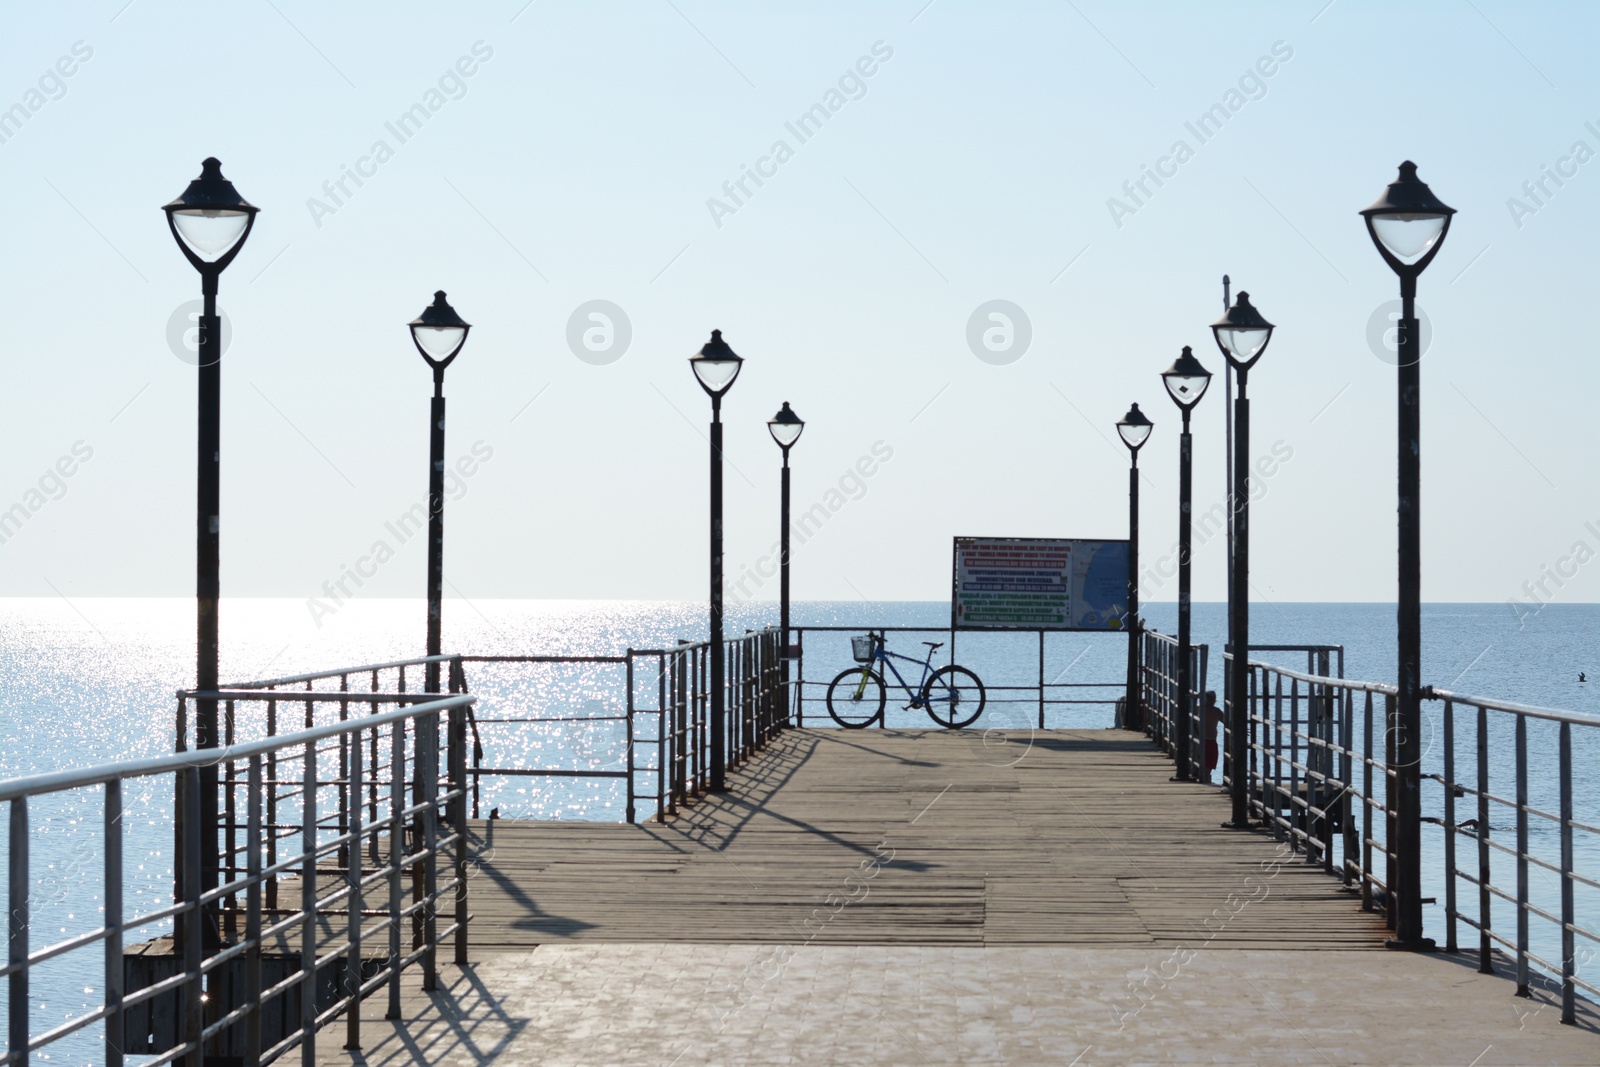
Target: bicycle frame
{"type": "Point", "coordinates": [880, 653]}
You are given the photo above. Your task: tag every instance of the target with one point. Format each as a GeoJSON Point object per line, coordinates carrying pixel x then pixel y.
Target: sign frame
{"type": "Point", "coordinates": [955, 586]}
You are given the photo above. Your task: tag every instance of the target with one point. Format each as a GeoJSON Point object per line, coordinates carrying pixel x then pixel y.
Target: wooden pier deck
{"type": "Point", "coordinates": [919, 838]}
{"type": "Point", "coordinates": [940, 898]}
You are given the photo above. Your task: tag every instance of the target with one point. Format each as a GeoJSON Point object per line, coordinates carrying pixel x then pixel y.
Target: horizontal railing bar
{"type": "Point", "coordinates": [519, 773]}
{"type": "Point", "coordinates": [546, 659]}
{"type": "Point", "coordinates": [56, 781]}
{"type": "Point", "coordinates": [1530, 710]}
{"type": "Point", "coordinates": [365, 668]}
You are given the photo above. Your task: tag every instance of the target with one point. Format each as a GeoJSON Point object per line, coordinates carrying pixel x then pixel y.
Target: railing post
{"type": "Point", "coordinates": [230, 821]}
{"type": "Point", "coordinates": [113, 922]}
{"type": "Point", "coordinates": [800, 677]}
{"type": "Point", "coordinates": [663, 727]}
{"type": "Point", "coordinates": [1569, 916]}
{"type": "Point", "coordinates": [628, 723]}
{"type": "Point", "coordinates": [191, 919]}
{"type": "Point", "coordinates": [271, 829]}
{"type": "Point", "coordinates": [308, 904]}
{"type": "Point", "coordinates": [458, 819]}
{"type": "Point", "coordinates": [428, 772]}
{"type": "Point", "coordinates": [1390, 780]}
{"type": "Point", "coordinates": [397, 833]}
{"type": "Point", "coordinates": [1275, 695]}
{"type": "Point", "coordinates": [344, 774]}
{"type": "Point", "coordinates": [1485, 921]}
{"type": "Point", "coordinates": [1450, 827]}
{"type": "Point", "coordinates": [1366, 805]}
{"type": "Point", "coordinates": [352, 972]}
{"type": "Point", "coordinates": [1522, 856]}
{"type": "Point", "coordinates": [252, 915]}
{"type": "Point", "coordinates": [18, 918]}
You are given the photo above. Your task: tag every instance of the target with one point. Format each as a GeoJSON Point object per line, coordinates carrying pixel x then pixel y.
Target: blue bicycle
{"type": "Point", "coordinates": [952, 696]}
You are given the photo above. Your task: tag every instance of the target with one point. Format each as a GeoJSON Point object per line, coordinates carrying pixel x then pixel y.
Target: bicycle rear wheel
{"type": "Point", "coordinates": [954, 697]}
{"type": "Point", "coordinates": [853, 705]}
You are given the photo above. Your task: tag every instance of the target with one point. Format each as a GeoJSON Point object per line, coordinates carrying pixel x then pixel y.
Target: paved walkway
{"type": "Point", "coordinates": [673, 1004]}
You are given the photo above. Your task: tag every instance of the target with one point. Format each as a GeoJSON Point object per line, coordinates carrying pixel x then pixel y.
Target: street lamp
{"type": "Point", "coordinates": [438, 334]}
{"type": "Point", "coordinates": [716, 366]}
{"type": "Point", "coordinates": [1242, 335]}
{"type": "Point", "coordinates": [785, 428]}
{"type": "Point", "coordinates": [210, 222]}
{"type": "Point", "coordinates": [1134, 429]}
{"type": "Point", "coordinates": [1408, 225]}
{"type": "Point", "coordinates": [1186, 381]}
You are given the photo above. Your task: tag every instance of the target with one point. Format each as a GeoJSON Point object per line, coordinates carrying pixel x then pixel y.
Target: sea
{"type": "Point", "coordinates": [91, 681]}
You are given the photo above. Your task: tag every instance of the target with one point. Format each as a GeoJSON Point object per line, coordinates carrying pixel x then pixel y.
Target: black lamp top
{"type": "Point", "coordinates": [1408, 195]}
{"type": "Point", "coordinates": [1242, 316]}
{"type": "Point", "coordinates": [787, 417]}
{"type": "Point", "coordinates": [717, 349]}
{"type": "Point", "coordinates": [439, 314]}
{"type": "Point", "coordinates": [1186, 366]}
{"type": "Point", "coordinates": [211, 192]}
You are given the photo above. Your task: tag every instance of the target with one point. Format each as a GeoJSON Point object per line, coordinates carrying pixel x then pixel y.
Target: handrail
{"type": "Point", "coordinates": [419, 661]}
{"type": "Point", "coordinates": [32, 785]}
{"type": "Point", "coordinates": [1532, 711]}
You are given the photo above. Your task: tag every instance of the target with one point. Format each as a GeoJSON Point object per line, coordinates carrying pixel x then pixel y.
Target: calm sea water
{"type": "Point", "coordinates": [93, 681]}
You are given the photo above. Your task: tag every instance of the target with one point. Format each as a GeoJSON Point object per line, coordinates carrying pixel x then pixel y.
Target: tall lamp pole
{"type": "Point", "coordinates": [1134, 429]}
{"type": "Point", "coordinates": [438, 334]}
{"type": "Point", "coordinates": [210, 222]}
{"type": "Point", "coordinates": [1408, 225]}
{"type": "Point", "coordinates": [1242, 335]}
{"type": "Point", "coordinates": [715, 367]}
{"type": "Point", "coordinates": [1186, 381]}
{"type": "Point", "coordinates": [785, 428]}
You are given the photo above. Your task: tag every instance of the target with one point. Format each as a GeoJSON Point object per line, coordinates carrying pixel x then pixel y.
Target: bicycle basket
{"type": "Point", "coordinates": [861, 647]}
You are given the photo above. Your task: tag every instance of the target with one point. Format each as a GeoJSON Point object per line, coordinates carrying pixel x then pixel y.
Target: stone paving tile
{"type": "Point", "coordinates": [674, 1005]}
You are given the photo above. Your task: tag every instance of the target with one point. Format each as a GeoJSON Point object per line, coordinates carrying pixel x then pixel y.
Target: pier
{"type": "Point", "coordinates": [932, 897]}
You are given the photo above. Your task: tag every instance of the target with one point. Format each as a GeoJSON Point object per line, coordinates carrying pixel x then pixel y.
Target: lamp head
{"type": "Point", "coordinates": [1186, 380]}
{"type": "Point", "coordinates": [1134, 429]}
{"type": "Point", "coordinates": [1408, 223]}
{"type": "Point", "coordinates": [785, 427]}
{"type": "Point", "coordinates": [716, 366]}
{"type": "Point", "coordinates": [210, 221]}
{"type": "Point", "coordinates": [1242, 333]}
{"type": "Point", "coordinates": [439, 333]}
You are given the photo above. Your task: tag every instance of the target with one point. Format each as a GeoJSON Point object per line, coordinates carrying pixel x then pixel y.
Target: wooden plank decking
{"type": "Point", "coordinates": [1033, 837]}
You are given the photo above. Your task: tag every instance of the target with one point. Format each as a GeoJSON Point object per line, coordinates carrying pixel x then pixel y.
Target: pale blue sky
{"type": "Point", "coordinates": [576, 163]}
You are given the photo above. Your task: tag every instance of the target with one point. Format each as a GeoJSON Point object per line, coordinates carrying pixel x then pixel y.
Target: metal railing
{"type": "Point", "coordinates": [756, 706]}
{"type": "Point", "coordinates": [211, 989]}
{"type": "Point", "coordinates": [1161, 696]}
{"type": "Point", "coordinates": [1489, 718]}
{"type": "Point", "coordinates": [1041, 695]}
{"type": "Point", "coordinates": [1323, 775]}
{"type": "Point", "coordinates": [671, 690]}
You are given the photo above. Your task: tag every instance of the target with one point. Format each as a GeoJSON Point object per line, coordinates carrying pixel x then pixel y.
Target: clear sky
{"type": "Point", "coordinates": [970, 152]}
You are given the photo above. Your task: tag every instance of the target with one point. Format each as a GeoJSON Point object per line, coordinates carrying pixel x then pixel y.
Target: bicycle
{"type": "Point", "coordinates": [952, 696]}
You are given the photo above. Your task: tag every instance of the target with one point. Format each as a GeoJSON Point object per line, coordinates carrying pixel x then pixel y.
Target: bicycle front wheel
{"type": "Point", "coordinates": [954, 697]}
{"type": "Point", "coordinates": [856, 703]}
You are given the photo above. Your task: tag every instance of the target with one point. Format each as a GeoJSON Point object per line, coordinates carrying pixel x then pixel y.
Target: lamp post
{"type": "Point", "coordinates": [1134, 429]}
{"type": "Point", "coordinates": [1408, 225]}
{"type": "Point", "coordinates": [715, 368]}
{"type": "Point", "coordinates": [1186, 381]}
{"type": "Point", "coordinates": [438, 334]}
{"type": "Point", "coordinates": [210, 222]}
{"type": "Point", "coordinates": [1242, 335]}
{"type": "Point", "coordinates": [785, 428]}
